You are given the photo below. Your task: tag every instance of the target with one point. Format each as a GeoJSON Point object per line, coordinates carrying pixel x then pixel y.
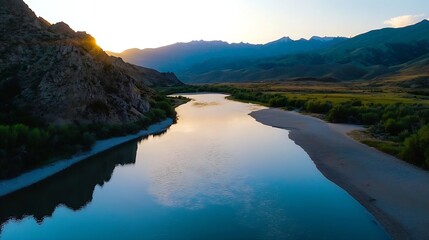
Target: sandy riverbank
{"type": "Point", "coordinates": [395, 192]}
{"type": "Point", "coordinates": [37, 175]}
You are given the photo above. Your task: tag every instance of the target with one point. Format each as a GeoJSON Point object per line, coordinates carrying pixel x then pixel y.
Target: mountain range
{"type": "Point", "coordinates": [51, 73]}
{"type": "Point", "coordinates": [394, 56]}
{"type": "Point", "coordinates": [180, 57]}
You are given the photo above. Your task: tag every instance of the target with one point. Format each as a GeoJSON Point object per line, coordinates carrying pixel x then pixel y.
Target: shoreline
{"type": "Point", "coordinates": [34, 176]}
{"type": "Point", "coordinates": [394, 192]}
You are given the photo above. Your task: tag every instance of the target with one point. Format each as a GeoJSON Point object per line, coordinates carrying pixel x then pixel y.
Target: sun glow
{"type": "Point", "coordinates": [118, 26]}
{"type": "Point", "coordinates": [159, 24]}
{"type": "Point", "coordinates": [124, 24]}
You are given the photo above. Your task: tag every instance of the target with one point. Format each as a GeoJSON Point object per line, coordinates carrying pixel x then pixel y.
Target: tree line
{"type": "Point", "coordinates": [28, 144]}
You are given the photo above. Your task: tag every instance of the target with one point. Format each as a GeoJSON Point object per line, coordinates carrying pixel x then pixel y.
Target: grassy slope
{"type": "Point", "coordinates": [339, 92]}
{"type": "Point", "coordinates": [381, 98]}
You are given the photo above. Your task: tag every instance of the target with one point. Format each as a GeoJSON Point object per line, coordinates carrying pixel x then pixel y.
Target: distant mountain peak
{"type": "Point", "coordinates": [423, 22]}
{"type": "Point", "coordinates": [281, 40]}
{"type": "Point", "coordinates": [284, 39]}
{"type": "Point", "coordinates": [204, 41]}
{"type": "Point", "coordinates": [323, 39]}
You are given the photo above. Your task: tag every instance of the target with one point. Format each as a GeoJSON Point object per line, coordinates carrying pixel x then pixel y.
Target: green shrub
{"type": "Point", "coordinates": [416, 147]}
{"type": "Point", "coordinates": [339, 113]}
{"type": "Point", "coordinates": [88, 140]}
{"type": "Point", "coordinates": [157, 114]}
{"type": "Point", "coordinates": [316, 106]}
{"type": "Point", "coordinates": [356, 103]}
{"type": "Point", "coordinates": [167, 108]}
{"type": "Point", "coordinates": [277, 101]}
{"type": "Point", "coordinates": [393, 126]}
{"type": "Point", "coordinates": [370, 118]}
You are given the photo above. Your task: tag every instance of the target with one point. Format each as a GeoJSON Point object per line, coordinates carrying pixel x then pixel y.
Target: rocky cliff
{"type": "Point", "coordinates": [57, 75]}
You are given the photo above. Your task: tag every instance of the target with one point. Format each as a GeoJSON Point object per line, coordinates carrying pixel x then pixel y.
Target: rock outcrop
{"type": "Point", "coordinates": [58, 76]}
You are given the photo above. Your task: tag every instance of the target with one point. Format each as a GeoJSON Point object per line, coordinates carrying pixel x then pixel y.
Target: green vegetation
{"type": "Point", "coordinates": [399, 123]}
{"type": "Point", "coordinates": [28, 144]}
{"type": "Point", "coordinates": [384, 146]}
{"type": "Point", "coordinates": [364, 97]}
{"type": "Point", "coordinates": [416, 147]}
{"type": "Point", "coordinates": [23, 147]}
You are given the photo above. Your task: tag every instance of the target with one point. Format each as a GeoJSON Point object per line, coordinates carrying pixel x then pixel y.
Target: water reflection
{"type": "Point", "coordinates": [193, 183]}
{"type": "Point", "coordinates": [216, 174]}
{"type": "Point", "coordinates": [199, 170]}
{"type": "Point", "coordinates": [72, 188]}
{"type": "Point", "coordinates": [205, 104]}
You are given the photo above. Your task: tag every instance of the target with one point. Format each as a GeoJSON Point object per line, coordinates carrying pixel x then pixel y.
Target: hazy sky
{"type": "Point", "coordinates": [121, 24]}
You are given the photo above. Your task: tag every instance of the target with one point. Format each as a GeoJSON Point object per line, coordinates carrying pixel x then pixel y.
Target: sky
{"type": "Point", "coordinates": [122, 24]}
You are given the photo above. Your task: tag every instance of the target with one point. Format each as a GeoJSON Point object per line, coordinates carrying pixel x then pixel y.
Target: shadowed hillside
{"type": "Point", "coordinates": [58, 75]}
{"type": "Point", "coordinates": [59, 91]}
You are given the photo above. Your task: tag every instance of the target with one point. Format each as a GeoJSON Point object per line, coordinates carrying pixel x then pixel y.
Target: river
{"type": "Point", "coordinates": [215, 174]}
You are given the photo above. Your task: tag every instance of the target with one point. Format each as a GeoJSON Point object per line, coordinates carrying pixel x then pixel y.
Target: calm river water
{"type": "Point", "coordinates": [216, 174]}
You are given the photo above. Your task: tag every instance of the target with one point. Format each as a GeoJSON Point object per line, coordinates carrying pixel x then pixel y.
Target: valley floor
{"type": "Point", "coordinates": [395, 192]}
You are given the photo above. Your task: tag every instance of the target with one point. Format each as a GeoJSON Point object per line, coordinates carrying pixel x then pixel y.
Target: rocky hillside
{"type": "Point", "coordinates": [53, 74]}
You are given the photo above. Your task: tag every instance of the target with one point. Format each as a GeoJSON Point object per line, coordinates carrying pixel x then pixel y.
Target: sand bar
{"type": "Point", "coordinates": [37, 175]}
{"type": "Point", "coordinates": [395, 192]}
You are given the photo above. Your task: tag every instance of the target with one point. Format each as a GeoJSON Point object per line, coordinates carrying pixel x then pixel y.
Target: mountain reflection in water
{"type": "Point", "coordinates": [72, 188]}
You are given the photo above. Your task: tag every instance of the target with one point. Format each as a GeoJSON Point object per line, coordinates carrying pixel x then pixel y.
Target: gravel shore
{"type": "Point", "coordinates": [395, 192]}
